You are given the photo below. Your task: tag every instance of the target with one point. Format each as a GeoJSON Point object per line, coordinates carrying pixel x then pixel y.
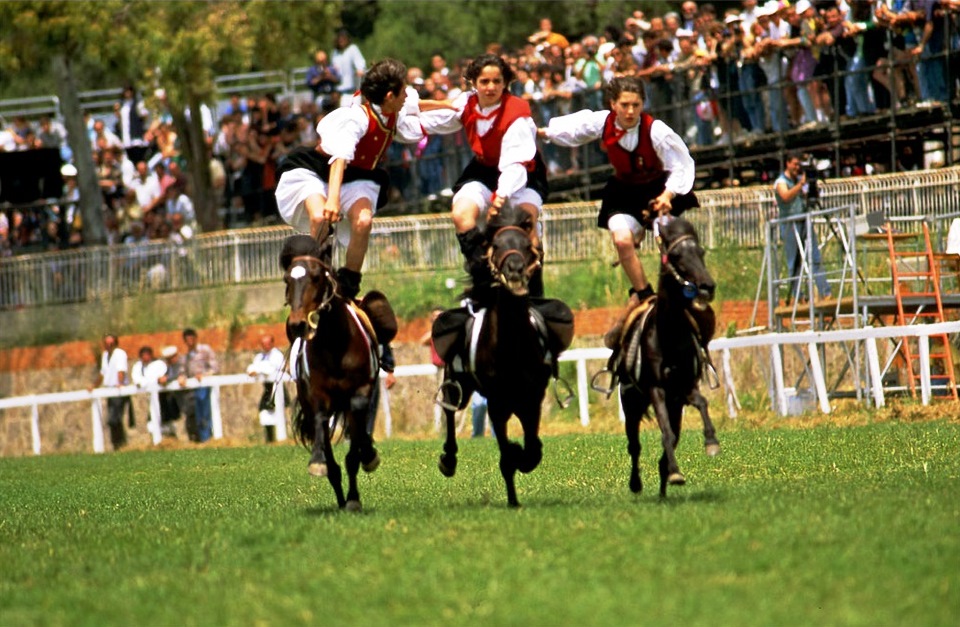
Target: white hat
{"type": "Point", "coordinates": [802, 6]}
{"type": "Point", "coordinates": [684, 32]}
{"type": "Point", "coordinates": [733, 17]}
{"type": "Point", "coordinates": [768, 9]}
{"type": "Point", "coordinates": [68, 169]}
{"type": "Point", "coordinates": [168, 351]}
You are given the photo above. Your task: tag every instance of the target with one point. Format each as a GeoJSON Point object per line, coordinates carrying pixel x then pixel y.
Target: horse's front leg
{"type": "Point", "coordinates": [669, 469]}
{"type": "Point", "coordinates": [322, 461]}
{"type": "Point", "coordinates": [532, 445]}
{"type": "Point", "coordinates": [356, 422]}
{"type": "Point", "coordinates": [711, 444]}
{"type": "Point", "coordinates": [510, 452]}
{"type": "Point", "coordinates": [448, 459]}
{"type": "Point", "coordinates": [634, 406]}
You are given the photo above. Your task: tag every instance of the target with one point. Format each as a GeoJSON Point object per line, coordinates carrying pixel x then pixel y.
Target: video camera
{"type": "Point", "coordinates": [814, 170]}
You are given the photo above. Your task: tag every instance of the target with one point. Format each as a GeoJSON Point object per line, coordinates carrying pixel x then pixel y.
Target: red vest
{"type": "Point", "coordinates": [373, 145]}
{"type": "Point", "coordinates": [637, 167]}
{"type": "Point", "coordinates": [487, 148]}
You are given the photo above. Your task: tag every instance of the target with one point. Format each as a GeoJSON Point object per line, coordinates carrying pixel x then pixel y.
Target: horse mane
{"type": "Point", "coordinates": [509, 216]}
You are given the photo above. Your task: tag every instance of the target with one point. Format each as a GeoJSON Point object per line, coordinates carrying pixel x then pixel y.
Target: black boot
{"type": "Point", "coordinates": [348, 282]}
{"type": "Point", "coordinates": [473, 246]}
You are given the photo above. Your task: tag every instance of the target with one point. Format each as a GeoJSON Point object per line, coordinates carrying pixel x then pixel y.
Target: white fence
{"type": "Point", "coordinates": [812, 340]}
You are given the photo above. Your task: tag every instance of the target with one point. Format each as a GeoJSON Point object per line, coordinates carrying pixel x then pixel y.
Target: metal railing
{"type": "Point", "coordinates": [727, 218]}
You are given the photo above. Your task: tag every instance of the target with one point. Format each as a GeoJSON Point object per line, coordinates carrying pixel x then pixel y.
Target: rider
{"type": "Point", "coordinates": [342, 177]}
{"type": "Point", "coordinates": [653, 175]}
{"type": "Point", "coordinates": [506, 166]}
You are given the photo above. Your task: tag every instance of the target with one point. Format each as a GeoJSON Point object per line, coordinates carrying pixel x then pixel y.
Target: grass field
{"type": "Point", "coordinates": [823, 525]}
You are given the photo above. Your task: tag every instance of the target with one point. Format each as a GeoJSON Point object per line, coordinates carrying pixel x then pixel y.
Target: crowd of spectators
{"type": "Point", "coordinates": [716, 73]}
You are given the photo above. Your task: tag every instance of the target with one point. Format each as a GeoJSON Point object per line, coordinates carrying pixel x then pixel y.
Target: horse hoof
{"type": "Point", "coordinates": [316, 469]}
{"type": "Point", "coordinates": [372, 465]}
{"type": "Point", "coordinates": [636, 486]}
{"type": "Point", "coordinates": [353, 506]}
{"type": "Point", "coordinates": [446, 471]}
{"type": "Point", "coordinates": [676, 478]}
{"type": "Point", "coordinates": [712, 450]}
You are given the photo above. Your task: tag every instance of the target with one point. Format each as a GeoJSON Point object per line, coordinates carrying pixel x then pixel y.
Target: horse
{"type": "Point", "coordinates": [335, 349]}
{"type": "Point", "coordinates": [506, 351]}
{"type": "Point", "coordinates": [661, 359]}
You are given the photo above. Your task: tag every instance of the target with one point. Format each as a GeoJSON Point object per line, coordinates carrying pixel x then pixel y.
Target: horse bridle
{"type": "Point", "coordinates": [497, 262]}
{"type": "Point", "coordinates": [329, 292]}
{"type": "Point", "coordinates": [690, 290]}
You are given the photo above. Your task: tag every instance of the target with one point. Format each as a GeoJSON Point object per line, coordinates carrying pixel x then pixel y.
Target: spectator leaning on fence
{"type": "Point", "coordinates": [268, 367]}
{"type": "Point", "coordinates": [113, 374]}
{"type": "Point", "coordinates": [198, 362]}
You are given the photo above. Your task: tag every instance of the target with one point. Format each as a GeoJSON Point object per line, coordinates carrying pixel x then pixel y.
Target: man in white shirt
{"type": "Point", "coordinates": [113, 374]}
{"type": "Point", "coordinates": [347, 59]}
{"type": "Point", "coordinates": [268, 367]}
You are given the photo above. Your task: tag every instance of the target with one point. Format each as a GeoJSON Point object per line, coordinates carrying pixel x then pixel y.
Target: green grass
{"type": "Point", "coordinates": [837, 526]}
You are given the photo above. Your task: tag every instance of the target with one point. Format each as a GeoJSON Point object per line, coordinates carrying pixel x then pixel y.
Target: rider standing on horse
{"type": "Point", "coordinates": [653, 174]}
{"type": "Point", "coordinates": [342, 177]}
{"type": "Point", "coordinates": [506, 168]}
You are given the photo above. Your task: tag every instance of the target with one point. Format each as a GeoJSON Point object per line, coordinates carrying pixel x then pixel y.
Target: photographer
{"type": "Point", "coordinates": [790, 191]}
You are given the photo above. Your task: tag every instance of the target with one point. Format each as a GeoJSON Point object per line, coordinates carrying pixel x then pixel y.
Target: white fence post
{"type": "Point", "coordinates": [215, 418]}
{"type": "Point", "coordinates": [582, 389]}
{"type": "Point", "coordinates": [35, 428]}
{"type": "Point", "coordinates": [924, 341]}
{"type": "Point", "coordinates": [154, 426]}
{"type": "Point", "coordinates": [873, 365]}
{"type": "Point", "coordinates": [818, 381]}
{"type": "Point", "coordinates": [779, 395]}
{"type": "Point", "coordinates": [97, 413]}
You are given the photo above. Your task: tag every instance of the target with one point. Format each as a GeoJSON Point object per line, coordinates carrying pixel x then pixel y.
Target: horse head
{"type": "Point", "coordinates": [310, 284]}
{"type": "Point", "coordinates": [682, 266]}
{"type": "Point", "coordinates": [513, 257]}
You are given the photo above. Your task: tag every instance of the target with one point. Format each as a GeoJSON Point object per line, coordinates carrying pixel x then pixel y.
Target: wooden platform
{"type": "Point", "coordinates": [873, 305]}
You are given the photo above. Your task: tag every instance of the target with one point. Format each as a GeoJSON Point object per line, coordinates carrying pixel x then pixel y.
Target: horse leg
{"type": "Point", "coordinates": [669, 469]}
{"type": "Point", "coordinates": [357, 431]}
{"type": "Point", "coordinates": [369, 457]}
{"type": "Point", "coordinates": [710, 442]}
{"type": "Point", "coordinates": [448, 459]}
{"type": "Point", "coordinates": [510, 454]}
{"type": "Point", "coordinates": [322, 461]}
{"type": "Point", "coordinates": [532, 445]}
{"type": "Point", "coordinates": [634, 406]}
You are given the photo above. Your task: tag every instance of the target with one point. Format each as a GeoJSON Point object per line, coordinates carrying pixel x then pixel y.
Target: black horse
{"type": "Point", "coordinates": [335, 349]}
{"type": "Point", "coordinates": [660, 360]}
{"type": "Point", "coordinates": [506, 351]}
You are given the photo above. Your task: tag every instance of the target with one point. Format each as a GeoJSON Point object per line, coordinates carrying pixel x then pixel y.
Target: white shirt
{"type": "Point", "coordinates": [351, 64]}
{"type": "Point", "coordinates": [519, 144]}
{"type": "Point", "coordinates": [585, 126]}
{"type": "Point", "coordinates": [126, 110]}
{"type": "Point", "coordinates": [148, 375]}
{"type": "Point", "coordinates": [268, 364]}
{"type": "Point", "coordinates": [111, 367]}
{"type": "Point", "coordinates": [342, 129]}
{"type": "Point", "coordinates": [147, 190]}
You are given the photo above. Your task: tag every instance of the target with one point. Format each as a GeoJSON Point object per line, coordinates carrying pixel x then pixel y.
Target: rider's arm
{"type": "Point", "coordinates": [519, 148]}
{"type": "Point", "coordinates": [675, 157]}
{"type": "Point", "coordinates": [575, 129]}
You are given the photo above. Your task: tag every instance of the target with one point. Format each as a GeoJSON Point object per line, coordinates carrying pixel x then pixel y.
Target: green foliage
{"type": "Point", "coordinates": [825, 525]}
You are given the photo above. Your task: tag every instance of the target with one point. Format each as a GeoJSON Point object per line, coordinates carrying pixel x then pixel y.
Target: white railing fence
{"type": "Point", "coordinates": [774, 342]}
{"type": "Point", "coordinates": [735, 217]}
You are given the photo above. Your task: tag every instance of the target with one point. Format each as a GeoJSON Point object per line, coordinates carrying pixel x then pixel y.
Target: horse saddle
{"type": "Point", "coordinates": [381, 316]}
{"type": "Point", "coordinates": [628, 340]}
{"type": "Point", "coordinates": [456, 331]}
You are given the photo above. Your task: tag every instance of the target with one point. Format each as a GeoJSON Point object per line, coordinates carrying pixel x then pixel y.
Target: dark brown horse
{"type": "Point", "coordinates": [336, 356]}
{"type": "Point", "coordinates": [661, 359]}
{"type": "Point", "coordinates": [506, 351]}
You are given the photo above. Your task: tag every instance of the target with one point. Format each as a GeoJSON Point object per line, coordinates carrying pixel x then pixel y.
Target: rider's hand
{"type": "Point", "coordinates": [496, 204]}
{"type": "Point", "coordinates": [331, 211]}
{"type": "Point", "coordinates": [662, 204]}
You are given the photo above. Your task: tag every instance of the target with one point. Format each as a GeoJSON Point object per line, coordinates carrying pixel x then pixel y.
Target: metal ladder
{"type": "Point", "coordinates": [923, 282]}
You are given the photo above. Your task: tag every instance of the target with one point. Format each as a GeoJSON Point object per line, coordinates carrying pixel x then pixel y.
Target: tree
{"type": "Point", "coordinates": [59, 33]}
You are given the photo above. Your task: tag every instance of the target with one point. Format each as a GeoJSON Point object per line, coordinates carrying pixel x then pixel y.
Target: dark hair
{"type": "Point", "coordinates": [383, 77]}
{"type": "Point", "coordinates": [622, 84]}
{"type": "Point", "coordinates": [145, 350]}
{"type": "Point", "coordinates": [188, 332]}
{"type": "Point", "coordinates": [476, 66]}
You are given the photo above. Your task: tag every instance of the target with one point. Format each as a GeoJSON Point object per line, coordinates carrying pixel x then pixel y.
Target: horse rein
{"type": "Point", "coordinates": [690, 291]}
{"type": "Point", "coordinates": [497, 263]}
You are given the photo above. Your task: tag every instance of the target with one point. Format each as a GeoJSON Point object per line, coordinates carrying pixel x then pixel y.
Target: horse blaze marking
{"type": "Point", "coordinates": [298, 272]}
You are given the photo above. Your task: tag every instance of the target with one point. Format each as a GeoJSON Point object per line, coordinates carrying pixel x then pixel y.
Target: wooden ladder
{"type": "Point", "coordinates": [924, 282]}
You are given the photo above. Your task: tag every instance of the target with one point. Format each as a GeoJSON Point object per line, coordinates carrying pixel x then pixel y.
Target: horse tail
{"type": "Point", "coordinates": [303, 425]}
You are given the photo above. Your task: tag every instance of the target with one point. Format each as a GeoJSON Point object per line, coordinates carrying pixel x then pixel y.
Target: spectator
{"type": "Point", "coordinates": [898, 69]}
{"type": "Point", "coordinates": [131, 126]}
{"type": "Point", "coordinates": [790, 192]}
{"type": "Point", "coordinates": [322, 78]}
{"type": "Point", "coordinates": [177, 202]}
{"type": "Point", "coordinates": [146, 186]}
{"type": "Point", "coordinates": [113, 374]}
{"type": "Point", "coordinates": [104, 138]}
{"type": "Point", "coordinates": [199, 361]}
{"type": "Point", "coordinates": [170, 400]}
{"type": "Point", "coordinates": [546, 36]}
{"type": "Point", "coordinates": [930, 49]}
{"type": "Point", "coordinates": [349, 63]}
{"type": "Point", "coordinates": [478, 411]}
{"type": "Point", "coordinates": [506, 166]}
{"type": "Point", "coordinates": [268, 367]}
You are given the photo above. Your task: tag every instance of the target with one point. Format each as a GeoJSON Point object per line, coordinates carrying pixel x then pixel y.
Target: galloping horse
{"type": "Point", "coordinates": [505, 351]}
{"type": "Point", "coordinates": [660, 360]}
{"type": "Point", "coordinates": [336, 354]}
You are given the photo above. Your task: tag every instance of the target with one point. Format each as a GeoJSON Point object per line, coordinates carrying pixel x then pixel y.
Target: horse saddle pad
{"type": "Point", "coordinates": [637, 312]}
{"type": "Point", "coordinates": [381, 316]}
{"type": "Point", "coordinates": [451, 329]}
